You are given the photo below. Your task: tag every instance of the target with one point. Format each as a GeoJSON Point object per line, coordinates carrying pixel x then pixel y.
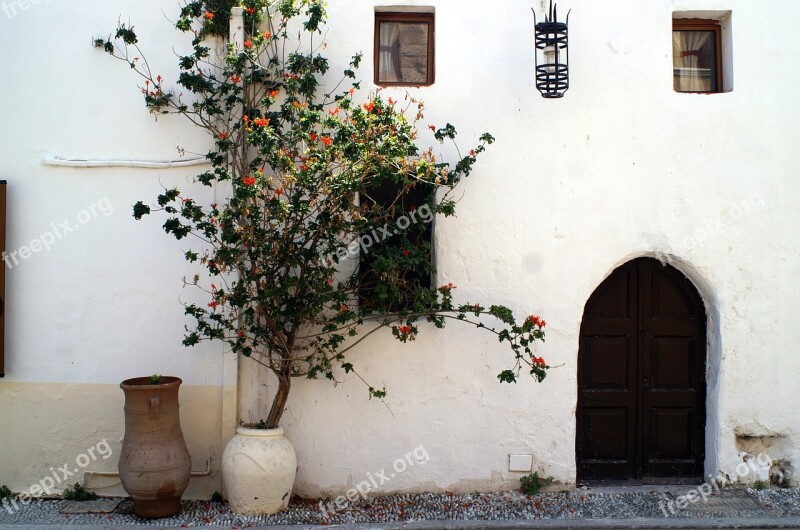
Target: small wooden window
{"type": "Point", "coordinates": [403, 49]}
{"type": "Point", "coordinates": [696, 55]}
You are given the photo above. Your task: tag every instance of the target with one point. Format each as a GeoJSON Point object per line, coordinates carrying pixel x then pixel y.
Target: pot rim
{"type": "Point", "coordinates": [143, 383]}
{"type": "Point", "coordinates": [262, 433]}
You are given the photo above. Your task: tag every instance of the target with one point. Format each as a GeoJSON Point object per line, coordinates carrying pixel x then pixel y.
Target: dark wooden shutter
{"type": "Point", "coordinates": [2, 277]}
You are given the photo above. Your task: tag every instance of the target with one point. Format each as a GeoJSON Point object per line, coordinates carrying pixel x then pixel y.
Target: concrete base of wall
{"type": "Point", "coordinates": [65, 433]}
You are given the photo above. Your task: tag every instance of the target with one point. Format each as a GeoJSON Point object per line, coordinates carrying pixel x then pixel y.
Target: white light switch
{"type": "Point", "coordinates": [520, 462]}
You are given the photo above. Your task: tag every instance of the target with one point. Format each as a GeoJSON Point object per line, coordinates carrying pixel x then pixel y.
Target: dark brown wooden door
{"type": "Point", "coordinates": [2, 277]}
{"type": "Point", "coordinates": [641, 377]}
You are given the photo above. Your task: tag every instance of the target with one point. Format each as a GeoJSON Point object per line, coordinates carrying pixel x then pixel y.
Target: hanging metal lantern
{"type": "Point", "coordinates": [552, 54]}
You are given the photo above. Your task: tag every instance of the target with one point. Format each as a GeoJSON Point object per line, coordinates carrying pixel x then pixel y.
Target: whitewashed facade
{"type": "Point", "coordinates": [619, 168]}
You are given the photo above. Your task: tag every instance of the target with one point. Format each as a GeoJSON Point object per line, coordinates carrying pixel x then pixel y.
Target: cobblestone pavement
{"type": "Point", "coordinates": [656, 503]}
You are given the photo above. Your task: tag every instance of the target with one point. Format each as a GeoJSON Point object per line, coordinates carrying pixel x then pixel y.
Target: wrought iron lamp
{"type": "Point", "coordinates": [552, 54]}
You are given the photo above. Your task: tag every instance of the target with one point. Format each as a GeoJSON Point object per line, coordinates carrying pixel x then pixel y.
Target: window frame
{"type": "Point", "coordinates": [412, 17]}
{"type": "Point", "coordinates": [702, 24]}
{"type": "Point", "coordinates": [383, 194]}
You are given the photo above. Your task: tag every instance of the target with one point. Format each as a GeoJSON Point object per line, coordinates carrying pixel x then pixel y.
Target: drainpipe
{"type": "Point", "coordinates": [145, 164]}
{"type": "Point", "coordinates": [237, 27]}
{"type": "Point", "coordinates": [87, 474]}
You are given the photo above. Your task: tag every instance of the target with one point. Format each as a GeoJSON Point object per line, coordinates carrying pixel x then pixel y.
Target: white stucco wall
{"type": "Point", "coordinates": [621, 167]}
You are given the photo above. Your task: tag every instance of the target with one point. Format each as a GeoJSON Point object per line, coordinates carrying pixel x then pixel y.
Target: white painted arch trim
{"type": "Point", "coordinates": [713, 428]}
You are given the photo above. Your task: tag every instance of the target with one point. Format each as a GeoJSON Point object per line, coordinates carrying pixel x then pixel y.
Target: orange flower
{"type": "Point", "coordinates": [248, 181]}
{"type": "Point", "coordinates": [223, 136]}
{"type": "Point", "coordinates": [447, 287]}
{"type": "Point", "coordinates": [209, 15]}
{"type": "Point", "coordinates": [261, 122]}
{"type": "Point", "coordinates": [278, 192]}
{"type": "Point", "coordinates": [250, 10]}
{"type": "Point", "coordinates": [369, 106]}
{"type": "Point", "coordinates": [537, 321]}
{"type": "Point", "coordinates": [327, 140]}
{"type": "Point", "coordinates": [273, 94]}
{"type": "Point", "coordinates": [343, 307]}
{"type": "Point", "coordinates": [333, 112]}
{"type": "Point", "coordinates": [267, 35]}
{"type": "Point", "coordinates": [312, 137]}
{"type": "Point", "coordinates": [539, 361]}
{"type": "Point", "coordinates": [248, 44]}
{"type": "Point", "coordinates": [391, 101]}
{"type": "Point", "coordinates": [235, 79]}
{"type": "Point", "coordinates": [405, 330]}
{"type": "Point", "coordinates": [432, 127]}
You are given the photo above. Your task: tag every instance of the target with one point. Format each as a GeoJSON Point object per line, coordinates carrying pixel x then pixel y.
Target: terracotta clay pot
{"type": "Point", "coordinates": [154, 464]}
{"type": "Point", "coordinates": [258, 471]}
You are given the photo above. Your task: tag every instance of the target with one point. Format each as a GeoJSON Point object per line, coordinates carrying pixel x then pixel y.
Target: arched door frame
{"type": "Point", "coordinates": [713, 344]}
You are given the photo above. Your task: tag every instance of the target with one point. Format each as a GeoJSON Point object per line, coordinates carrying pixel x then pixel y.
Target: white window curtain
{"type": "Point", "coordinates": [687, 47]}
{"type": "Point", "coordinates": [389, 46]}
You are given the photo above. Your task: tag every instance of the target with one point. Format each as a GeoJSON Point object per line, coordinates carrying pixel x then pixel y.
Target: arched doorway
{"type": "Point", "coordinates": [641, 377]}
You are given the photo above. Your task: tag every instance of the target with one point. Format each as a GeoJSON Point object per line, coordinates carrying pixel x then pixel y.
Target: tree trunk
{"type": "Point", "coordinates": [279, 403]}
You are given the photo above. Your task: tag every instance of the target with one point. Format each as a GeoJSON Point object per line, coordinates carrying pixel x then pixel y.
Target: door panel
{"type": "Point", "coordinates": [607, 382]}
{"type": "Point", "coordinates": [609, 359]}
{"type": "Point", "coordinates": [672, 365]}
{"type": "Point", "coordinates": [641, 376]}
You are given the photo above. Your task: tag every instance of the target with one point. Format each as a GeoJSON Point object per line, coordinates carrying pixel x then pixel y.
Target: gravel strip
{"type": "Point", "coordinates": [785, 502]}
{"type": "Point", "coordinates": [427, 506]}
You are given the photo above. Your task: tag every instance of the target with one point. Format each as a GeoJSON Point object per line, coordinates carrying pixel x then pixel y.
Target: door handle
{"type": "Point", "coordinates": [646, 384]}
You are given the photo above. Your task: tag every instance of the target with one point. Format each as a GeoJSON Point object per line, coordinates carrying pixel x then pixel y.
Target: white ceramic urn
{"type": "Point", "coordinates": [258, 471]}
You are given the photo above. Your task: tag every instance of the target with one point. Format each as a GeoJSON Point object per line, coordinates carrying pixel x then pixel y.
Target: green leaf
{"type": "Point", "coordinates": [507, 376]}
{"type": "Point", "coordinates": [168, 196]}
{"type": "Point", "coordinates": [140, 209]}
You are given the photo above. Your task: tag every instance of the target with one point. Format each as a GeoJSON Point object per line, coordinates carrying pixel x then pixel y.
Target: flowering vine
{"type": "Point", "coordinates": [307, 171]}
